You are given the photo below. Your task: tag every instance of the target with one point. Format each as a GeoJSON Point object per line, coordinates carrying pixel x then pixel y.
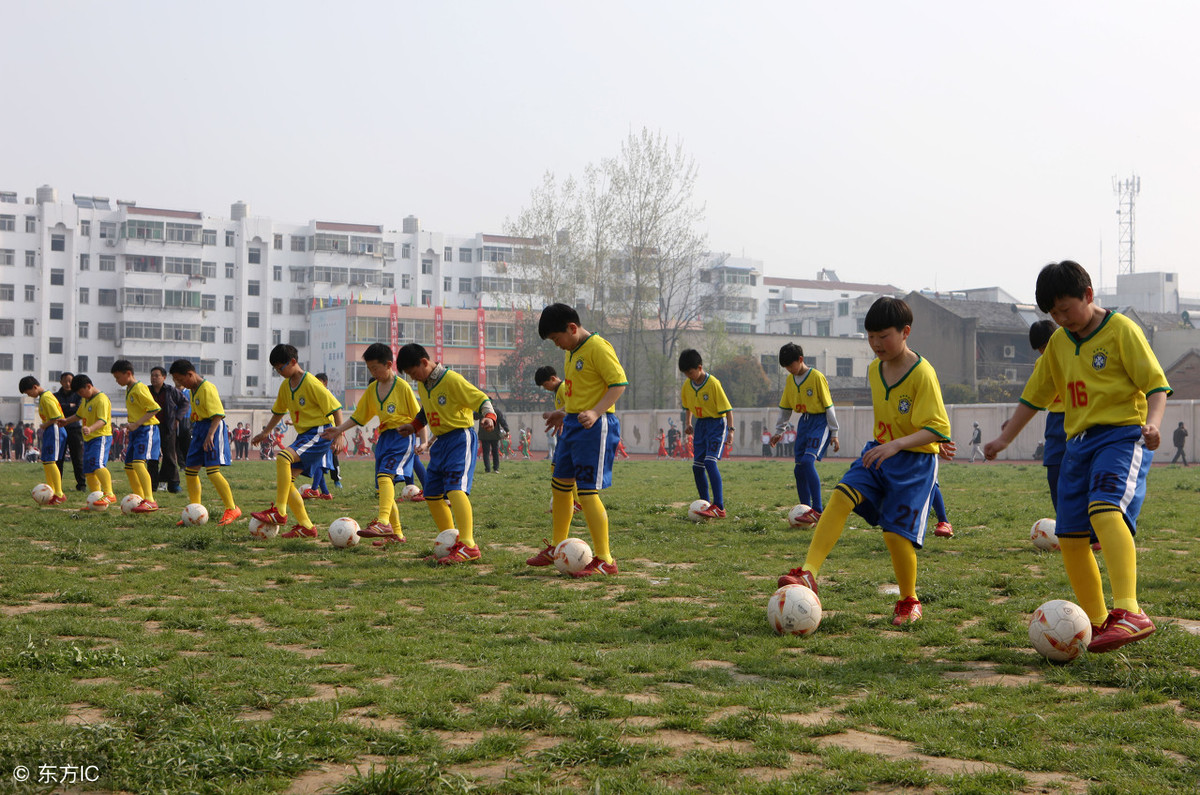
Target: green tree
{"type": "Point", "coordinates": [520, 365]}
{"type": "Point", "coordinates": [958, 393]}
{"type": "Point", "coordinates": [743, 379]}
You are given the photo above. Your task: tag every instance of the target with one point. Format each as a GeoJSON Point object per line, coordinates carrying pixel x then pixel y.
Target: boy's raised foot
{"type": "Point", "coordinates": [460, 553]}
{"type": "Point", "coordinates": [310, 494]}
{"type": "Point", "coordinates": [376, 529]}
{"type": "Point", "coordinates": [1119, 628]}
{"type": "Point", "coordinates": [146, 506]}
{"type": "Point", "coordinates": [597, 566]}
{"type": "Point", "coordinates": [810, 517]}
{"type": "Point", "coordinates": [943, 530]}
{"type": "Point", "coordinates": [543, 558]}
{"type": "Point", "coordinates": [712, 512]}
{"type": "Point", "coordinates": [300, 531]}
{"type": "Point", "coordinates": [798, 577]}
{"type": "Point", "coordinates": [230, 516]}
{"type": "Point", "coordinates": [270, 516]}
{"type": "Point", "coordinates": [908, 611]}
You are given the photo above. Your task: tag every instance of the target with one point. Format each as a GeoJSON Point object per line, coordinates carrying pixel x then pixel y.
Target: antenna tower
{"type": "Point", "coordinates": [1126, 191]}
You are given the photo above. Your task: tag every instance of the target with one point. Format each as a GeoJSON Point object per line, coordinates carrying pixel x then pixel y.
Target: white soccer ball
{"type": "Point", "coordinates": [572, 555]}
{"type": "Point", "coordinates": [42, 493]}
{"type": "Point", "coordinates": [343, 532]}
{"type": "Point", "coordinates": [795, 514]}
{"type": "Point", "coordinates": [96, 501]}
{"type": "Point", "coordinates": [1042, 535]}
{"type": "Point", "coordinates": [129, 502]}
{"type": "Point", "coordinates": [263, 531]}
{"type": "Point", "coordinates": [444, 541]}
{"type": "Point", "coordinates": [1060, 630]}
{"type": "Point", "coordinates": [409, 491]}
{"type": "Point", "coordinates": [696, 507]}
{"type": "Point", "coordinates": [194, 515]}
{"type": "Point", "coordinates": [794, 610]}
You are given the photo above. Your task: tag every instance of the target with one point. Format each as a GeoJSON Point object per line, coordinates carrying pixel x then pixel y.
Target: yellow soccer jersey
{"type": "Point", "coordinates": [98, 407]}
{"type": "Point", "coordinates": [1103, 379]}
{"type": "Point", "coordinates": [706, 400]}
{"type": "Point", "coordinates": [309, 404]}
{"type": "Point", "coordinates": [206, 402]}
{"type": "Point", "coordinates": [48, 407]}
{"type": "Point", "coordinates": [560, 396]}
{"type": "Point", "coordinates": [590, 369]}
{"type": "Point", "coordinates": [138, 401]}
{"type": "Point", "coordinates": [397, 407]}
{"type": "Point", "coordinates": [911, 404]}
{"type": "Point", "coordinates": [1056, 405]}
{"type": "Point", "coordinates": [809, 396]}
{"type": "Point", "coordinates": [451, 403]}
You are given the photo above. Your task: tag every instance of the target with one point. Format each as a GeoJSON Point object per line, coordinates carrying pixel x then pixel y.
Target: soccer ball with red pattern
{"type": "Point", "coordinates": [1059, 630]}
{"type": "Point", "coordinates": [794, 610]}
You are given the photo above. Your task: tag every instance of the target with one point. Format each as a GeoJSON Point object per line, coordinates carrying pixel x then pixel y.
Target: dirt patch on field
{"type": "Point", "coordinates": [83, 714]}
{"type": "Point", "coordinates": [986, 674]}
{"type": "Point", "coordinates": [96, 681]}
{"type": "Point", "coordinates": [324, 692]}
{"type": "Point", "coordinates": [682, 742]}
{"type": "Point", "coordinates": [304, 651]}
{"type": "Point", "coordinates": [255, 715]}
{"type": "Point", "coordinates": [35, 607]}
{"type": "Point", "coordinates": [818, 718]}
{"type": "Point", "coordinates": [363, 717]}
{"type": "Point", "coordinates": [252, 621]}
{"type": "Point", "coordinates": [1187, 625]}
{"type": "Point", "coordinates": [457, 739]}
{"type": "Point", "coordinates": [327, 777]}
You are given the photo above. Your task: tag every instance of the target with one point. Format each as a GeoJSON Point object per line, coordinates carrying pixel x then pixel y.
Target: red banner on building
{"type": "Point", "coordinates": [482, 384]}
{"type": "Point", "coordinates": [519, 336]}
{"type": "Point", "coordinates": [394, 326]}
{"type": "Point", "coordinates": [437, 333]}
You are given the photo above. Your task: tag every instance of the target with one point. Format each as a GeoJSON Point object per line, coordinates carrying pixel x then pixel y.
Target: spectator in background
{"type": "Point", "coordinates": [172, 404]}
{"type": "Point", "coordinates": [766, 441]}
{"type": "Point", "coordinates": [69, 402]}
{"type": "Point", "coordinates": [490, 439]}
{"type": "Point", "coordinates": [1179, 440]}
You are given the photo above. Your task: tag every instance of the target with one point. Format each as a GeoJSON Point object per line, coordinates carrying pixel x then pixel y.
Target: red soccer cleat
{"type": "Point", "coordinates": [460, 553]}
{"type": "Point", "coordinates": [597, 566]}
{"type": "Point", "coordinates": [58, 500]}
{"type": "Point", "coordinates": [1119, 628]}
{"type": "Point", "coordinates": [798, 577]}
{"type": "Point", "coordinates": [376, 529]}
{"type": "Point", "coordinates": [543, 558]}
{"type": "Point", "coordinates": [230, 516]}
{"type": "Point", "coordinates": [146, 506]}
{"type": "Point", "coordinates": [908, 611]}
{"type": "Point", "coordinates": [577, 508]}
{"type": "Point", "coordinates": [810, 517]}
{"type": "Point", "coordinates": [383, 541]}
{"type": "Point", "coordinates": [310, 494]}
{"type": "Point", "coordinates": [271, 516]}
{"type": "Point", "coordinates": [943, 530]}
{"type": "Point", "coordinates": [712, 512]}
{"type": "Point", "coordinates": [300, 531]}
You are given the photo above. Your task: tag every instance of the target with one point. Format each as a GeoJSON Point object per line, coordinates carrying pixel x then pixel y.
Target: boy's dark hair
{"type": "Point", "coordinates": [323, 378]}
{"type": "Point", "coordinates": [690, 359]}
{"type": "Point", "coordinates": [1057, 280]}
{"type": "Point", "coordinates": [27, 383]}
{"type": "Point", "coordinates": [555, 319]}
{"type": "Point", "coordinates": [65, 374]}
{"type": "Point", "coordinates": [377, 352]}
{"type": "Point", "coordinates": [79, 382]}
{"type": "Point", "coordinates": [159, 369]}
{"type": "Point", "coordinates": [282, 354]}
{"type": "Point", "coordinates": [410, 355]}
{"type": "Point", "coordinates": [182, 367]}
{"type": "Point", "coordinates": [886, 313]}
{"type": "Point", "coordinates": [1039, 333]}
{"type": "Point", "coordinates": [121, 366]}
{"type": "Point", "coordinates": [540, 376]}
{"type": "Point", "coordinates": [791, 352]}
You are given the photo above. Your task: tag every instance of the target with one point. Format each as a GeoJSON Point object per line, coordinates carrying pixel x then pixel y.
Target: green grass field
{"type": "Point", "coordinates": [199, 660]}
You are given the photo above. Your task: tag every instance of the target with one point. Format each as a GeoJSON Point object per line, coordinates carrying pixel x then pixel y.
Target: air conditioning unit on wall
{"type": "Point", "coordinates": [1010, 352]}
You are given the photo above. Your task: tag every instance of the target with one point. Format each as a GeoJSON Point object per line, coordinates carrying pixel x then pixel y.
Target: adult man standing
{"type": "Point", "coordinates": [173, 404]}
{"type": "Point", "coordinates": [69, 402]}
{"type": "Point", "coordinates": [490, 440]}
{"type": "Point", "coordinates": [1179, 440]}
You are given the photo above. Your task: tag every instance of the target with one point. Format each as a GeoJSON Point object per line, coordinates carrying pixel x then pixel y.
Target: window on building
{"type": "Point", "coordinates": [405, 251]}
{"type": "Point", "coordinates": [276, 336]}
{"type": "Point", "coordinates": [83, 330]}
{"type": "Point", "coordinates": [251, 320]}
{"type": "Point", "coordinates": [30, 327]}
{"type": "Point", "coordinates": [405, 281]}
{"type": "Point", "coordinates": [104, 363]}
{"type": "Point", "coordinates": [7, 256]}
{"type": "Point", "coordinates": [447, 284]}
{"type": "Point", "coordinates": [85, 229]}
{"type": "Point", "coordinates": [108, 262]}
{"type": "Point", "coordinates": [208, 237]}
{"type": "Point", "coordinates": [228, 369]}
{"type": "Point", "coordinates": [30, 293]}
{"type": "Point", "coordinates": [85, 262]}
{"type": "Point", "coordinates": [464, 285]}
{"type": "Point", "coordinates": [106, 331]}
{"type": "Point", "coordinates": [252, 287]}
{"type": "Point", "coordinates": [227, 337]}
{"type": "Point", "coordinates": [8, 326]}
{"type": "Point", "coordinates": [7, 292]}
{"type": "Point", "coordinates": [84, 295]}
{"type": "Point", "coordinates": [8, 223]}
{"type": "Point", "coordinates": [208, 270]}
{"type": "Point", "coordinates": [208, 302]}
{"type": "Point", "coordinates": [843, 308]}
{"type": "Point", "coordinates": [251, 380]}
{"type": "Point", "coordinates": [58, 242]}
{"type": "Point", "coordinates": [277, 242]}
{"type": "Point", "coordinates": [298, 338]}
{"type": "Point", "coordinates": [427, 298]}
{"type": "Point", "coordinates": [229, 303]}
{"type": "Point", "coordinates": [6, 361]}
{"type": "Point", "coordinates": [252, 352]}
{"type": "Point", "coordinates": [448, 254]}
{"type": "Point", "coordinates": [297, 306]}
{"type": "Point", "coordinates": [464, 255]}
{"type": "Point", "coordinates": [208, 333]}
{"type": "Point", "coordinates": [823, 328]}
{"type": "Point", "coordinates": [229, 239]}
{"type": "Point", "coordinates": [277, 273]}
{"type": "Point", "coordinates": [28, 365]}
{"type": "Point", "coordinates": [58, 277]}
{"type": "Point", "coordinates": [30, 223]}
{"type": "Point", "coordinates": [276, 306]}
{"type": "Point", "coordinates": [56, 311]}
{"type": "Point", "coordinates": [108, 230]}
{"type": "Point", "coordinates": [83, 364]}
{"type": "Point", "coordinates": [845, 367]}
{"type": "Point", "coordinates": [228, 270]}
{"type": "Point", "coordinates": [30, 259]}
{"type": "Point", "coordinates": [105, 297]}
{"type": "Point", "coordinates": [56, 345]}
{"type": "Point", "coordinates": [299, 243]}
{"type": "Point", "coordinates": [254, 256]}
{"type": "Point", "coordinates": [426, 266]}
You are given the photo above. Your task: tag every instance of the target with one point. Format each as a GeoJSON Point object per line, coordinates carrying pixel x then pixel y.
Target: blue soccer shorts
{"type": "Point", "coordinates": [144, 444]}
{"type": "Point", "coordinates": [452, 462]}
{"type": "Point", "coordinates": [95, 453]}
{"type": "Point", "coordinates": [897, 495]}
{"type": "Point", "coordinates": [395, 454]}
{"type": "Point", "coordinates": [1105, 463]}
{"type": "Point", "coordinates": [220, 454]}
{"type": "Point", "coordinates": [812, 437]}
{"type": "Point", "coordinates": [1055, 445]}
{"type": "Point", "coordinates": [586, 454]}
{"type": "Point", "coordinates": [708, 439]}
{"type": "Point", "coordinates": [53, 440]}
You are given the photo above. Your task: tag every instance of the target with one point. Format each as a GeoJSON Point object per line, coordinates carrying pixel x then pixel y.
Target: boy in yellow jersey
{"type": "Point", "coordinates": [391, 401]}
{"type": "Point", "coordinates": [588, 429]}
{"type": "Point", "coordinates": [806, 393]}
{"type": "Point", "coordinates": [95, 414]}
{"type": "Point", "coordinates": [54, 436]}
{"type": "Point", "coordinates": [548, 379]}
{"type": "Point", "coordinates": [310, 406]}
{"type": "Point", "coordinates": [704, 399]}
{"type": "Point", "coordinates": [891, 484]}
{"type": "Point", "coordinates": [143, 442]}
{"type": "Point", "coordinates": [1114, 392]}
{"type": "Point", "coordinates": [1055, 444]}
{"type": "Point", "coordinates": [209, 446]}
{"type": "Point", "coordinates": [448, 406]}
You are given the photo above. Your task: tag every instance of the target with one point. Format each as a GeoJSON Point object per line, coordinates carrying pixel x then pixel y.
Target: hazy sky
{"type": "Point", "coordinates": [926, 144]}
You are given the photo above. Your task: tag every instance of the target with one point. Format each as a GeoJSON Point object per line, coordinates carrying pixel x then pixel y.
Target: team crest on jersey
{"type": "Point", "coordinates": [1099, 360]}
{"type": "Point", "coordinates": [809, 392]}
{"type": "Point", "coordinates": [705, 397]}
{"type": "Point", "coordinates": [301, 401]}
{"type": "Point", "coordinates": [579, 364]}
{"type": "Point", "coordinates": [905, 405]}
{"type": "Point", "coordinates": [391, 409]}
{"type": "Point", "coordinates": [441, 400]}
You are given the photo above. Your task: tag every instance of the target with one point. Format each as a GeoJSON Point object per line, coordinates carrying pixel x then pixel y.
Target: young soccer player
{"type": "Point", "coordinates": [95, 414]}
{"type": "Point", "coordinates": [448, 406]}
{"type": "Point", "coordinates": [588, 428]}
{"type": "Point", "coordinates": [807, 394]}
{"type": "Point", "coordinates": [209, 447]}
{"type": "Point", "coordinates": [548, 379]}
{"type": "Point", "coordinates": [311, 406]}
{"type": "Point", "coordinates": [391, 401]}
{"type": "Point", "coordinates": [320, 489]}
{"type": "Point", "coordinates": [1114, 393]}
{"type": "Point", "coordinates": [891, 483]}
{"type": "Point", "coordinates": [144, 442]}
{"type": "Point", "coordinates": [1055, 438]}
{"type": "Point", "coordinates": [703, 398]}
{"type": "Point", "coordinates": [54, 436]}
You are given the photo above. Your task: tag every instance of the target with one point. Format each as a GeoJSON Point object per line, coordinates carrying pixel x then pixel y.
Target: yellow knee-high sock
{"type": "Point", "coordinates": [1116, 544]}
{"type": "Point", "coordinates": [1084, 575]}
{"type": "Point", "coordinates": [564, 495]}
{"type": "Point", "coordinates": [222, 486]}
{"type": "Point", "coordinates": [143, 476]}
{"type": "Point", "coordinates": [440, 511]}
{"type": "Point", "coordinates": [53, 478]}
{"type": "Point", "coordinates": [387, 497]}
{"type": "Point", "coordinates": [283, 479]}
{"type": "Point", "coordinates": [135, 483]}
{"type": "Point", "coordinates": [904, 563]}
{"type": "Point", "coordinates": [829, 528]}
{"type": "Point", "coordinates": [191, 476]}
{"type": "Point", "coordinates": [597, 522]}
{"type": "Point", "coordinates": [296, 503]}
{"type": "Point", "coordinates": [394, 521]}
{"type": "Point", "coordinates": [464, 517]}
{"type": "Point", "coordinates": [105, 481]}
{"type": "Point", "coordinates": [93, 482]}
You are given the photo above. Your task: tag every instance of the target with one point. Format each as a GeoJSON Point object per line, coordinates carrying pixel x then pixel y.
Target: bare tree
{"type": "Point", "coordinates": [549, 266]}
